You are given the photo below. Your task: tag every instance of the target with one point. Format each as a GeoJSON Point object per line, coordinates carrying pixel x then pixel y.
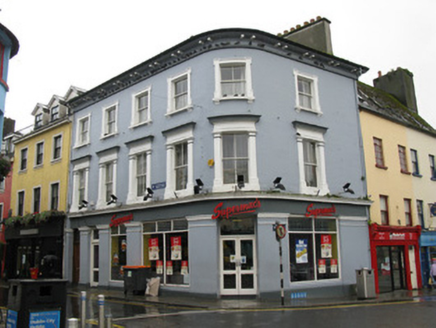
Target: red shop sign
{"type": "Point", "coordinates": [228, 212]}
{"type": "Point", "coordinates": [322, 211]}
{"type": "Point", "coordinates": [396, 236]}
{"type": "Point", "coordinates": [121, 220]}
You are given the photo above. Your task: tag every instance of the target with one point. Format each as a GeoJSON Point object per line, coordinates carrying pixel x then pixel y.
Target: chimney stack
{"type": "Point", "coordinates": [314, 34]}
{"type": "Point", "coordinates": [399, 83]}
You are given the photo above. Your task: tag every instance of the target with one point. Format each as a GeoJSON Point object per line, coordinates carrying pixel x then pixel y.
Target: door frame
{"type": "Point", "coordinates": [238, 271]}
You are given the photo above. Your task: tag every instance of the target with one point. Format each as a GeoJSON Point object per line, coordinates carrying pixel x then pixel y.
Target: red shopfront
{"type": "Point", "coordinates": [395, 257]}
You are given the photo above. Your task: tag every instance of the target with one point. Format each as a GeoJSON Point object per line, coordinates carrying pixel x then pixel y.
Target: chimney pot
{"type": "Point", "coordinates": [379, 73]}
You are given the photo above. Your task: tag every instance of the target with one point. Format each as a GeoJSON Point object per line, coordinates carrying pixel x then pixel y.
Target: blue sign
{"type": "Point", "coordinates": [45, 319]}
{"type": "Point", "coordinates": [159, 185]}
{"type": "Point", "coordinates": [11, 321]}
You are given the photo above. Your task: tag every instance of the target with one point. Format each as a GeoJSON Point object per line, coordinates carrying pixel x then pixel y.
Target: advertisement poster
{"type": "Point", "coordinates": [169, 268]}
{"type": "Point", "coordinates": [326, 246]}
{"type": "Point", "coordinates": [159, 267]}
{"type": "Point", "coordinates": [176, 248]}
{"type": "Point", "coordinates": [321, 266]}
{"type": "Point", "coordinates": [301, 250]}
{"type": "Point", "coordinates": [184, 270]}
{"type": "Point", "coordinates": [45, 319]}
{"type": "Point", "coordinates": [153, 249]}
{"type": "Point", "coordinates": [334, 266]}
{"type": "Point", "coordinates": [12, 317]}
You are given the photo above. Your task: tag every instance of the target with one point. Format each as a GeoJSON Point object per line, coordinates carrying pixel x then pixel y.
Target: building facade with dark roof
{"type": "Point", "coordinates": [186, 163]}
{"type": "Point", "coordinates": [401, 177]}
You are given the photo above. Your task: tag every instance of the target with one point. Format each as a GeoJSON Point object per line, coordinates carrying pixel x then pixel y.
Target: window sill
{"type": "Point", "coordinates": [39, 166]}
{"type": "Point", "coordinates": [249, 99]}
{"type": "Point", "coordinates": [381, 167]}
{"type": "Point", "coordinates": [106, 136]}
{"type": "Point", "coordinates": [298, 109]}
{"type": "Point", "coordinates": [417, 175]}
{"type": "Point", "coordinates": [171, 112]}
{"type": "Point", "coordinates": [81, 145]}
{"type": "Point", "coordinates": [56, 160]}
{"type": "Point", "coordinates": [137, 125]}
{"type": "Point", "coordinates": [405, 172]}
{"type": "Point", "coordinates": [433, 179]}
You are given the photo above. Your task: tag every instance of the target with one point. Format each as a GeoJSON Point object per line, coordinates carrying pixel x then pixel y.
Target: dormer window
{"type": "Point", "coordinates": [38, 120]}
{"type": "Point", "coordinates": [54, 113]}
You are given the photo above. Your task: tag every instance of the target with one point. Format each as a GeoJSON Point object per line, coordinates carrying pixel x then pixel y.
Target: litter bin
{"type": "Point", "coordinates": [365, 283]}
{"type": "Point", "coordinates": [135, 279]}
{"type": "Point", "coordinates": [37, 302]}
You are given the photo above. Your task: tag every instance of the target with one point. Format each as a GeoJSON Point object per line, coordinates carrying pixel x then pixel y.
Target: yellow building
{"type": "Point", "coordinates": [39, 191]}
{"type": "Point", "coordinates": [399, 147]}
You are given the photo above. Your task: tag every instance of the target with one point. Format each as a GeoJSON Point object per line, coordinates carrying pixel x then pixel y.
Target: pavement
{"type": "Point", "coordinates": [213, 303]}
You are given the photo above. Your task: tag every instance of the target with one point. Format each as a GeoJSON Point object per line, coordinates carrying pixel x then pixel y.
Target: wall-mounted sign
{"type": "Point", "coordinates": [322, 211]}
{"type": "Point", "coordinates": [116, 222]}
{"type": "Point", "coordinates": [301, 251]}
{"type": "Point", "coordinates": [228, 212]}
{"type": "Point", "coordinates": [396, 236]}
{"type": "Point", "coordinates": [159, 185]}
{"type": "Point", "coordinates": [176, 248]}
{"type": "Point", "coordinates": [280, 231]}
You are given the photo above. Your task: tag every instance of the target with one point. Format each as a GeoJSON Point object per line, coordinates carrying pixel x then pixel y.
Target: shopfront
{"type": "Point", "coordinates": [227, 246]}
{"type": "Point", "coordinates": [428, 252]}
{"type": "Point", "coordinates": [395, 257]}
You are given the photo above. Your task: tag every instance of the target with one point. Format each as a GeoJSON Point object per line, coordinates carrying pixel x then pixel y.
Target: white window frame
{"type": "Point", "coordinates": [135, 150]}
{"type": "Point", "coordinates": [104, 127]}
{"type": "Point", "coordinates": [50, 196]}
{"type": "Point", "coordinates": [316, 107]}
{"type": "Point", "coordinates": [111, 157]}
{"type": "Point", "coordinates": [79, 132]}
{"type": "Point", "coordinates": [36, 154]}
{"type": "Point", "coordinates": [316, 135]}
{"type": "Point", "coordinates": [53, 159]}
{"type": "Point", "coordinates": [180, 135]}
{"type": "Point", "coordinates": [135, 110]}
{"type": "Point", "coordinates": [242, 125]}
{"type": "Point", "coordinates": [83, 166]}
{"type": "Point", "coordinates": [21, 159]}
{"type": "Point", "coordinates": [171, 109]}
{"type": "Point", "coordinates": [248, 95]}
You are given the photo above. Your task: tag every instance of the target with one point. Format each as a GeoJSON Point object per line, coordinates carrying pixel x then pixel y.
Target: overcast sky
{"type": "Point", "coordinates": [86, 42]}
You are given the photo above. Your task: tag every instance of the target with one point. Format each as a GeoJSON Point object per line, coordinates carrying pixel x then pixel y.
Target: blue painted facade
{"type": "Point", "coordinates": [9, 46]}
{"type": "Point", "coordinates": [276, 130]}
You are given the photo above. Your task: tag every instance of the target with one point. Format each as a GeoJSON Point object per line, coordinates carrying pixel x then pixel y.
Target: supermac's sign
{"type": "Point", "coordinates": [115, 222]}
{"type": "Point", "coordinates": [322, 211]}
{"type": "Point", "coordinates": [228, 212]}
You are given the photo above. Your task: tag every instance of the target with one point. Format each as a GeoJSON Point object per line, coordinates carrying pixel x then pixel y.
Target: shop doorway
{"type": "Point", "coordinates": [238, 265]}
{"type": "Point", "coordinates": [391, 268]}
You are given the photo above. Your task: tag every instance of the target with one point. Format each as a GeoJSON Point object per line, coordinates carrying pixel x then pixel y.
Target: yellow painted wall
{"type": "Point", "coordinates": [423, 187]}
{"type": "Point", "coordinates": [389, 182]}
{"type": "Point", "coordinates": [44, 175]}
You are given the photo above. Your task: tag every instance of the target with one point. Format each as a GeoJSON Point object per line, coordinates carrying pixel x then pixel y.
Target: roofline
{"type": "Point", "coordinates": [213, 40]}
{"type": "Point", "coordinates": [13, 38]}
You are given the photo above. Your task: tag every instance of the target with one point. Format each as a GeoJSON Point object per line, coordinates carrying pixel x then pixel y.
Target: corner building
{"type": "Point", "coordinates": [176, 165]}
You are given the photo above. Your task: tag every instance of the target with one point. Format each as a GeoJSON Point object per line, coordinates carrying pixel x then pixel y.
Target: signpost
{"type": "Point", "coordinates": [280, 231]}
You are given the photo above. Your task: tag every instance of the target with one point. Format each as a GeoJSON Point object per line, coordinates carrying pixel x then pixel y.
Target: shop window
{"type": "Point", "coordinates": [118, 252]}
{"type": "Point", "coordinates": [314, 253]}
{"type": "Point", "coordinates": [166, 250]}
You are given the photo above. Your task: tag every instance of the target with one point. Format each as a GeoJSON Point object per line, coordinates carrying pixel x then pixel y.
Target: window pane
{"type": "Point", "coordinates": [149, 227]}
{"type": "Point", "coordinates": [327, 256]}
{"type": "Point", "coordinates": [325, 225]}
{"type": "Point", "coordinates": [299, 224]}
{"type": "Point", "coordinates": [310, 163]}
{"type": "Point", "coordinates": [180, 225]}
{"type": "Point", "coordinates": [301, 257]}
{"type": "Point", "coordinates": [164, 226]}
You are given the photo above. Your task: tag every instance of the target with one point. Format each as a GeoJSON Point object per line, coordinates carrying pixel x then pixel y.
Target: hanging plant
{"type": "Point", "coordinates": [5, 168]}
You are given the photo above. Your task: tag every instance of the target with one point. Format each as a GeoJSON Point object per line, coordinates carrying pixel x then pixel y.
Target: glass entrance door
{"type": "Point", "coordinates": [238, 266]}
{"type": "Point", "coordinates": [391, 268]}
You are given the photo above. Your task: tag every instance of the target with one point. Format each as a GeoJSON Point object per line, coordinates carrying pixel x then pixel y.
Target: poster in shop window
{"type": "Point", "coordinates": [153, 249]}
{"type": "Point", "coordinates": [159, 267]}
{"type": "Point", "coordinates": [169, 268]}
{"type": "Point", "coordinates": [326, 246]}
{"type": "Point", "coordinates": [301, 250]}
{"type": "Point", "coordinates": [321, 266]}
{"type": "Point", "coordinates": [334, 266]}
{"type": "Point", "coordinates": [176, 248]}
{"type": "Point", "coordinates": [184, 270]}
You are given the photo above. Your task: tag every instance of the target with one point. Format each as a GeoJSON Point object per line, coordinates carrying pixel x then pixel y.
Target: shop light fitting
{"type": "Point", "coordinates": [199, 187]}
{"type": "Point", "coordinates": [277, 184]}
{"type": "Point", "coordinates": [83, 204]}
{"type": "Point", "coordinates": [113, 200]}
{"type": "Point", "coordinates": [347, 188]}
{"type": "Point", "coordinates": [148, 194]}
{"type": "Point", "coordinates": [241, 183]}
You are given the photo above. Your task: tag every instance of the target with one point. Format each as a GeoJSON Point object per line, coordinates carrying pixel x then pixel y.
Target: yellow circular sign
{"type": "Point", "coordinates": [280, 231]}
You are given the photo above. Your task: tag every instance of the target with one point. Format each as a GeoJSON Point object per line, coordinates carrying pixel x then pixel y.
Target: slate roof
{"type": "Point", "coordinates": [386, 105]}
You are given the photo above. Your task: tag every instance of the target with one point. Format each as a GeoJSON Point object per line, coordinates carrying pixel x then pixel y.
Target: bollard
{"type": "Point", "coordinates": [108, 321]}
{"type": "Point", "coordinates": [83, 309]}
{"type": "Point", "coordinates": [73, 323]}
{"type": "Point", "coordinates": [101, 311]}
